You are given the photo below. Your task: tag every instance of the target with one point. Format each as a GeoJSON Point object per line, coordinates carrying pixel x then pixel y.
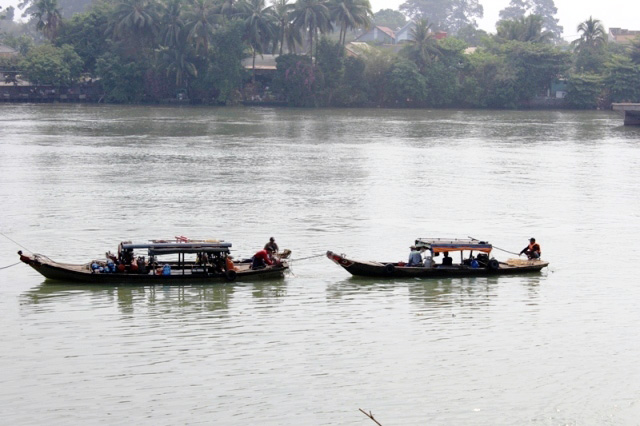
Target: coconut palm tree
{"type": "Point", "coordinates": [259, 26]}
{"type": "Point", "coordinates": [176, 61]}
{"type": "Point", "coordinates": [49, 19]}
{"type": "Point", "coordinates": [592, 35]}
{"type": "Point", "coordinates": [350, 14]}
{"type": "Point", "coordinates": [312, 16]}
{"type": "Point", "coordinates": [228, 8]}
{"type": "Point", "coordinates": [172, 24]}
{"type": "Point", "coordinates": [134, 23]}
{"type": "Point", "coordinates": [201, 22]}
{"type": "Point", "coordinates": [423, 46]}
{"type": "Point", "coordinates": [526, 29]}
{"type": "Point", "coordinates": [590, 47]}
{"type": "Point", "coordinates": [285, 32]}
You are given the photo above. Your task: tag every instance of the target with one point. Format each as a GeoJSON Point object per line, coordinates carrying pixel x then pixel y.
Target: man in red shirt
{"type": "Point", "coordinates": [261, 259]}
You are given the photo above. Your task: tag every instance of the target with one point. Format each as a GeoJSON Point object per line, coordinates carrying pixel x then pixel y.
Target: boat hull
{"type": "Point", "coordinates": [80, 274]}
{"type": "Point", "coordinates": [394, 270]}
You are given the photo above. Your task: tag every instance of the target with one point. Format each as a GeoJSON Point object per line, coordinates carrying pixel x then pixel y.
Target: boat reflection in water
{"type": "Point", "coordinates": [157, 298]}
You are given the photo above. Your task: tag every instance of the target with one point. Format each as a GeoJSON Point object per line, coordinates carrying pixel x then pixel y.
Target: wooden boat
{"type": "Point", "coordinates": [209, 261]}
{"type": "Point", "coordinates": [479, 265]}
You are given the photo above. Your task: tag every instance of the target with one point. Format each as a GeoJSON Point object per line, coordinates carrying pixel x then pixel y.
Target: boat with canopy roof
{"type": "Point", "coordinates": [179, 261]}
{"type": "Point", "coordinates": [474, 261]}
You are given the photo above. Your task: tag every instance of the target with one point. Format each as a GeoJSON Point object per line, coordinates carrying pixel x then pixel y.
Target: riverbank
{"type": "Point", "coordinates": [39, 94]}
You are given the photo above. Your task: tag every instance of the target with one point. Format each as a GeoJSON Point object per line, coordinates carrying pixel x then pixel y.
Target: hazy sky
{"type": "Point", "coordinates": [613, 13]}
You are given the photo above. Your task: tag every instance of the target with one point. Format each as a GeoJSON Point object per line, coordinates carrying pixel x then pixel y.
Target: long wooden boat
{"type": "Point", "coordinates": [189, 261]}
{"type": "Point", "coordinates": [469, 266]}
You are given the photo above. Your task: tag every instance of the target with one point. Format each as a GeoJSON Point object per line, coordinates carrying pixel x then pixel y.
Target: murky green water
{"type": "Point", "coordinates": [556, 348]}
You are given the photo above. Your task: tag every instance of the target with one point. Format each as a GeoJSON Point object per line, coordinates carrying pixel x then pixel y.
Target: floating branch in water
{"type": "Point", "coordinates": [370, 416]}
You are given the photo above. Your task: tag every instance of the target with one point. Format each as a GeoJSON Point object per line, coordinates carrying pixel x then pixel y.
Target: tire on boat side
{"type": "Point", "coordinates": [389, 268]}
{"type": "Point", "coordinates": [494, 265]}
{"type": "Point", "coordinates": [230, 275]}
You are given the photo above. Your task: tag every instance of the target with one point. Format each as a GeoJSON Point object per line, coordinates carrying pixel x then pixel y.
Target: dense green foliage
{"type": "Point", "coordinates": [389, 18]}
{"type": "Point", "coordinates": [448, 15]}
{"type": "Point", "coordinates": [50, 65]}
{"type": "Point", "coordinates": [584, 91]}
{"type": "Point", "coordinates": [544, 9]}
{"type": "Point", "coordinates": [153, 50]}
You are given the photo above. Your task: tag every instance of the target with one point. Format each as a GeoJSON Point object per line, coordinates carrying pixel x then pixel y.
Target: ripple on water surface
{"type": "Point", "coordinates": [552, 348]}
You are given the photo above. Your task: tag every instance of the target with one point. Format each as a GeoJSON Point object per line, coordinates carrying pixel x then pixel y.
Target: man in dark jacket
{"type": "Point", "coordinates": [271, 245]}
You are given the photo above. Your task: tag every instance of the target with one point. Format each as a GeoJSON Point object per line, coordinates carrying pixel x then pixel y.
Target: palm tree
{"type": "Point", "coordinates": [228, 8]}
{"type": "Point", "coordinates": [176, 61]}
{"type": "Point", "coordinates": [49, 18]}
{"type": "Point", "coordinates": [350, 14]}
{"type": "Point", "coordinates": [259, 26]}
{"type": "Point", "coordinates": [282, 10]}
{"type": "Point", "coordinates": [201, 22]}
{"type": "Point", "coordinates": [593, 35]}
{"type": "Point", "coordinates": [172, 24]}
{"type": "Point", "coordinates": [312, 16]}
{"type": "Point", "coordinates": [525, 29]}
{"type": "Point", "coordinates": [590, 47]}
{"type": "Point", "coordinates": [135, 21]}
{"type": "Point", "coordinates": [423, 46]}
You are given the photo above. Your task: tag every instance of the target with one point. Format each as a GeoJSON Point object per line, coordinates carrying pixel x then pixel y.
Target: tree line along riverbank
{"type": "Point", "coordinates": [192, 52]}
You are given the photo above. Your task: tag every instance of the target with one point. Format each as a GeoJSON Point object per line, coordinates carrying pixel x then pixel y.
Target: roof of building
{"type": "Point", "coordinates": [406, 27]}
{"type": "Point", "coordinates": [622, 34]}
{"type": "Point", "coordinates": [7, 50]}
{"type": "Point", "coordinates": [263, 62]}
{"type": "Point", "coordinates": [386, 30]}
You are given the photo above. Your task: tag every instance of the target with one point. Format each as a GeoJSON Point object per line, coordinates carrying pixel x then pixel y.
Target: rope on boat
{"type": "Point", "coordinates": [506, 251]}
{"type": "Point", "coordinates": [308, 257]}
{"type": "Point", "coordinates": [15, 242]}
{"type": "Point", "coordinates": [498, 248]}
{"type": "Point", "coordinates": [5, 267]}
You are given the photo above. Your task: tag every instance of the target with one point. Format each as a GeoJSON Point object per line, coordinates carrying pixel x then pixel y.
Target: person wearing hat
{"type": "Point", "coordinates": [533, 250]}
{"type": "Point", "coordinates": [271, 245]}
{"type": "Point", "coordinates": [414, 257]}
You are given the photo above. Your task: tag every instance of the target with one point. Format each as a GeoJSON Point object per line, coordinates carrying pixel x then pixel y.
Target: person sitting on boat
{"type": "Point", "coordinates": [427, 260]}
{"type": "Point", "coordinates": [414, 257]}
{"type": "Point", "coordinates": [261, 259]}
{"type": "Point", "coordinates": [446, 260]}
{"type": "Point", "coordinates": [271, 245]}
{"type": "Point", "coordinates": [533, 250]}
{"type": "Point", "coordinates": [229, 265]}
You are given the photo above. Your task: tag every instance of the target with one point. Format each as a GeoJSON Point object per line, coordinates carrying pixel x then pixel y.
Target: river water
{"type": "Point", "coordinates": [556, 348]}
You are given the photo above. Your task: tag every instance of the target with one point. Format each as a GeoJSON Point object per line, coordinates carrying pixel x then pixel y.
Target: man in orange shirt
{"type": "Point", "coordinates": [533, 250]}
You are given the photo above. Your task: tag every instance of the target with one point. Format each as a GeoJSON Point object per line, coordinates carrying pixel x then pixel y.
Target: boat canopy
{"type": "Point", "coordinates": [440, 245]}
{"type": "Point", "coordinates": [172, 248]}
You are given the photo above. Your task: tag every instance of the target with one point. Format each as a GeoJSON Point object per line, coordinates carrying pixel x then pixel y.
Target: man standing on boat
{"type": "Point", "coordinates": [533, 250]}
{"type": "Point", "coordinates": [271, 245]}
